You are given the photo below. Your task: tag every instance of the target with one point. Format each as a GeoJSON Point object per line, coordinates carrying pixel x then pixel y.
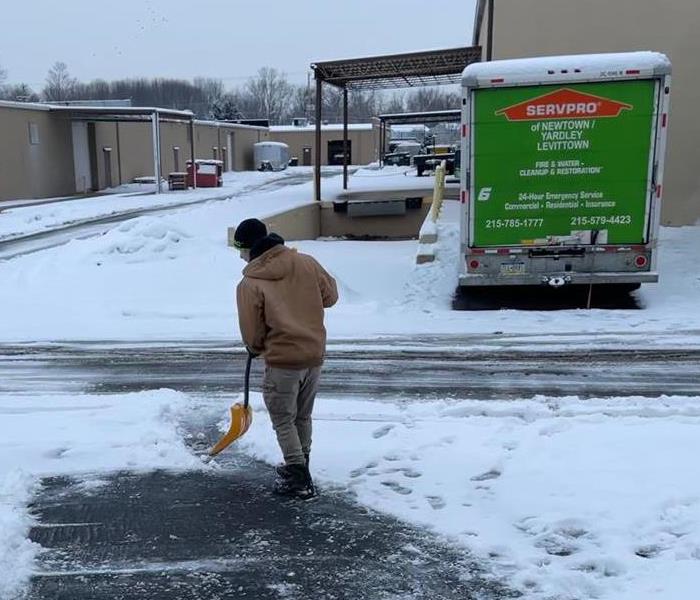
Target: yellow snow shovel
{"type": "Point", "coordinates": [241, 416]}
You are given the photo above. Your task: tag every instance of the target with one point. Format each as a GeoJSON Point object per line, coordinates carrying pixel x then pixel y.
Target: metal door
{"type": "Point", "coordinates": [81, 157]}
{"type": "Point", "coordinates": [107, 157]}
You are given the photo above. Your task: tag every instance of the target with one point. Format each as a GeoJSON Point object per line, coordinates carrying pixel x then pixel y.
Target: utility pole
{"type": "Point", "coordinates": [489, 41]}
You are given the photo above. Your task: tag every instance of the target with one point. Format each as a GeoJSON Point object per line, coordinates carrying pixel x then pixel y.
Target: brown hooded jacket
{"type": "Point", "coordinates": [280, 308]}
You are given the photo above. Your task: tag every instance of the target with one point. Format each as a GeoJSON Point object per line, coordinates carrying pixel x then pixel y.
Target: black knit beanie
{"type": "Point", "coordinates": [248, 233]}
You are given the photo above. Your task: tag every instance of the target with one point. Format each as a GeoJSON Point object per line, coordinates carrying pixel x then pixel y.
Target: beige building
{"type": "Point", "coordinates": [48, 151]}
{"type": "Point", "coordinates": [523, 28]}
{"type": "Point", "coordinates": [36, 154]}
{"type": "Point", "coordinates": [363, 140]}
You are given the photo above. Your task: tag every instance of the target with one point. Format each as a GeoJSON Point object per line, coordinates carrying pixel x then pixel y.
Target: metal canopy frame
{"type": "Point", "coordinates": [392, 71]}
{"type": "Point", "coordinates": [432, 116]}
{"type": "Point", "coordinates": [137, 115]}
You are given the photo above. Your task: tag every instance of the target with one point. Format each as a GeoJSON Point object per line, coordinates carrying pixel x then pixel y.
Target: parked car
{"type": "Point", "coordinates": [433, 157]}
{"type": "Point", "coordinates": [398, 159]}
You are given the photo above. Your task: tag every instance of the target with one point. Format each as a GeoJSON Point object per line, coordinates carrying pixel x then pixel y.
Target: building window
{"type": "Point", "coordinates": [215, 152]}
{"type": "Point", "coordinates": [176, 158]}
{"type": "Point", "coordinates": [33, 134]}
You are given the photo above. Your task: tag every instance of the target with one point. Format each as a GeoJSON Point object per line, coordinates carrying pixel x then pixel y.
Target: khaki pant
{"type": "Point", "coordinates": [289, 396]}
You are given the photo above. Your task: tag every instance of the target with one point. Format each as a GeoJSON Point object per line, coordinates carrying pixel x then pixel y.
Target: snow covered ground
{"type": "Point", "coordinates": [43, 215]}
{"type": "Point", "coordinates": [567, 498]}
{"type": "Point", "coordinates": [172, 277]}
{"type": "Point", "coordinates": [570, 499]}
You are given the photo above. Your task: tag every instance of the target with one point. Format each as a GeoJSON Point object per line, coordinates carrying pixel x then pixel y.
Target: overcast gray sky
{"type": "Point", "coordinates": [227, 39]}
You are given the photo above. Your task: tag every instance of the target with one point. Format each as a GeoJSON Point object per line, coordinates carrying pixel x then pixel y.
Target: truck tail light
{"type": "Point", "coordinates": [474, 264]}
{"type": "Point", "coordinates": [641, 261]}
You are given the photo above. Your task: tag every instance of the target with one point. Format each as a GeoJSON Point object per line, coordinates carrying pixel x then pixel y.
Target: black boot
{"type": "Point", "coordinates": [281, 470]}
{"type": "Point", "coordinates": [295, 481]}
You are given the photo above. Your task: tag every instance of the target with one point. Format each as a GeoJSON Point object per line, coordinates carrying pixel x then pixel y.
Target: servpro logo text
{"type": "Point", "coordinates": [564, 103]}
{"type": "Point", "coordinates": [562, 110]}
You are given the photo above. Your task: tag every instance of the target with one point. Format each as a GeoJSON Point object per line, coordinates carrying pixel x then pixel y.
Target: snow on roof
{"type": "Point", "coordinates": [409, 127]}
{"type": "Point", "coordinates": [574, 66]}
{"type": "Point", "coordinates": [331, 127]}
{"type": "Point", "coordinates": [24, 105]}
{"type": "Point", "coordinates": [227, 124]}
{"type": "Point", "coordinates": [268, 144]}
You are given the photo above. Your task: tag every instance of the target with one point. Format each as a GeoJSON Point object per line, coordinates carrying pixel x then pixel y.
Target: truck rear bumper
{"type": "Point", "coordinates": [571, 278]}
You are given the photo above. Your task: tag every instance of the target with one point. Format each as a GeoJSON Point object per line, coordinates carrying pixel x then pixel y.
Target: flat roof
{"type": "Point", "coordinates": [116, 112]}
{"type": "Point", "coordinates": [24, 105]}
{"type": "Point", "coordinates": [412, 69]}
{"type": "Point", "coordinates": [433, 116]}
{"type": "Point", "coordinates": [574, 66]}
{"type": "Point", "coordinates": [329, 127]}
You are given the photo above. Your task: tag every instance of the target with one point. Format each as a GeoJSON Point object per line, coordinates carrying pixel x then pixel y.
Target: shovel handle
{"type": "Point", "coordinates": [246, 383]}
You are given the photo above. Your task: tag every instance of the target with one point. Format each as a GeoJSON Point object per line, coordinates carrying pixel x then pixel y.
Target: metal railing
{"type": "Point", "coordinates": [438, 191]}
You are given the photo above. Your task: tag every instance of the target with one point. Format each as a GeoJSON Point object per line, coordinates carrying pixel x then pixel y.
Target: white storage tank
{"type": "Point", "coordinates": [271, 156]}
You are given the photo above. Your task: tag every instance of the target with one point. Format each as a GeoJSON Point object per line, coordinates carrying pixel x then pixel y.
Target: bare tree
{"type": "Point", "coordinates": [60, 85]}
{"type": "Point", "coordinates": [332, 104]}
{"type": "Point", "coordinates": [212, 92]}
{"type": "Point", "coordinates": [226, 108]}
{"type": "Point", "coordinates": [303, 102]}
{"type": "Point", "coordinates": [394, 104]}
{"type": "Point", "coordinates": [3, 78]}
{"type": "Point", "coordinates": [270, 92]}
{"type": "Point", "coordinates": [20, 92]}
{"type": "Point", "coordinates": [426, 99]}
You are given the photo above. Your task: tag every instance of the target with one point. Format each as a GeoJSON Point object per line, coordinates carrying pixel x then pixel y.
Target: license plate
{"type": "Point", "coordinates": [512, 268]}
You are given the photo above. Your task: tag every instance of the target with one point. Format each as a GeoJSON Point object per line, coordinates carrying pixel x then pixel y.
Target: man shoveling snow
{"type": "Point", "coordinates": [281, 301]}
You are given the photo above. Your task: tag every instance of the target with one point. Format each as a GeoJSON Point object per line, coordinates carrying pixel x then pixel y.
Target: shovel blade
{"type": "Point", "coordinates": [241, 418]}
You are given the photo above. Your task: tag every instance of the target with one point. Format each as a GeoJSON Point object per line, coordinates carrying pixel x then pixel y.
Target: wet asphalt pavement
{"type": "Point", "coordinates": [426, 369]}
{"type": "Point", "coordinates": [210, 536]}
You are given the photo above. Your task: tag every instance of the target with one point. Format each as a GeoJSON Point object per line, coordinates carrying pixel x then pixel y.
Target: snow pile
{"type": "Point", "coordinates": [365, 293]}
{"type": "Point", "coordinates": [58, 435]}
{"type": "Point", "coordinates": [140, 240]}
{"type": "Point", "coordinates": [431, 286]}
{"type": "Point", "coordinates": [17, 552]}
{"type": "Point", "coordinates": [570, 499]}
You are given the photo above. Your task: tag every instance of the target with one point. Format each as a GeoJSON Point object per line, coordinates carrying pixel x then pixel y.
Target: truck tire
{"type": "Point", "coordinates": [473, 298]}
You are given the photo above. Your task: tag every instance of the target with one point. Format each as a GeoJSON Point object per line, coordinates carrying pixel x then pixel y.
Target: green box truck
{"type": "Point", "coordinates": [562, 169]}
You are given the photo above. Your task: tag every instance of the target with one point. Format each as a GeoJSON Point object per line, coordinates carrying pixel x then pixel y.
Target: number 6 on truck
{"type": "Point", "coordinates": [484, 194]}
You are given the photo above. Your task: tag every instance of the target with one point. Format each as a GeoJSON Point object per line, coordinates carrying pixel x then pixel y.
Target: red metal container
{"type": "Point", "coordinates": [209, 173]}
